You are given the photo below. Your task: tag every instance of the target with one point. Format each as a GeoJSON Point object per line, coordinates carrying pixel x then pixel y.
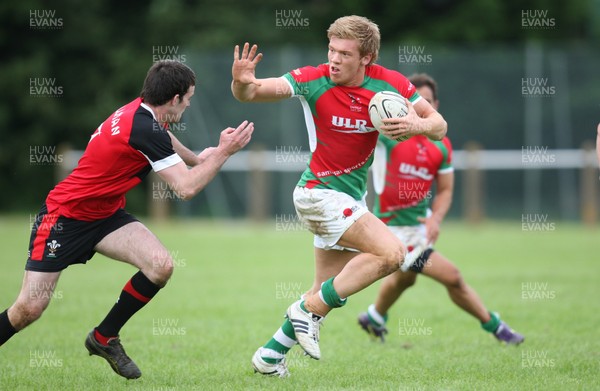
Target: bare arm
{"type": "Point", "coordinates": [189, 157]}
{"type": "Point", "coordinates": [439, 206]}
{"type": "Point", "coordinates": [246, 87]}
{"type": "Point", "coordinates": [188, 182]}
{"type": "Point", "coordinates": [422, 118]}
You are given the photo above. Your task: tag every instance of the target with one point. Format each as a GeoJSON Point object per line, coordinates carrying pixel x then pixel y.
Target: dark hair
{"type": "Point", "coordinates": [422, 79]}
{"type": "Point", "coordinates": [164, 80]}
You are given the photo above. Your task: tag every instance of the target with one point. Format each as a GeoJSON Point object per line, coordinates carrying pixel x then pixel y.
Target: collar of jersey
{"type": "Point", "coordinates": [145, 106]}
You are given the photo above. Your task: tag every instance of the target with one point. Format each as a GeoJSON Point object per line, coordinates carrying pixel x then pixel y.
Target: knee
{"type": "Point", "coordinates": [454, 280]}
{"type": "Point", "coordinates": [408, 281]}
{"type": "Point", "coordinates": [164, 273]}
{"type": "Point", "coordinates": [390, 260]}
{"type": "Point", "coordinates": [22, 314]}
{"type": "Point", "coordinates": [400, 281]}
{"type": "Point", "coordinates": [161, 270]}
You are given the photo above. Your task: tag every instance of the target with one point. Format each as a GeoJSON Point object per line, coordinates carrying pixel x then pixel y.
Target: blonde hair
{"type": "Point", "coordinates": [360, 28]}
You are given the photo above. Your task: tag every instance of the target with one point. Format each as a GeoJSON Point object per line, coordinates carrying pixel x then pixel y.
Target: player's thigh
{"type": "Point", "coordinates": [370, 235]}
{"type": "Point", "coordinates": [135, 244]}
{"type": "Point", "coordinates": [329, 263]}
{"type": "Point", "coordinates": [441, 269]}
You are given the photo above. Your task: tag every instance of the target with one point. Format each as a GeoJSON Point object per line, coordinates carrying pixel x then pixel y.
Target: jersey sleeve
{"type": "Point", "coordinates": [153, 141]}
{"type": "Point", "coordinates": [407, 89]}
{"type": "Point", "coordinates": [300, 78]}
{"type": "Point", "coordinates": [446, 148]}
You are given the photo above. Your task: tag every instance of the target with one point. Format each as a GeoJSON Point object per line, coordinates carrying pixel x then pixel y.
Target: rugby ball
{"type": "Point", "coordinates": [387, 104]}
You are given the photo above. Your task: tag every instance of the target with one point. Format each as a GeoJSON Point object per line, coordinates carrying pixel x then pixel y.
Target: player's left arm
{"type": "Point", "coordinates": [422, 118]}
{"type": "Point", "coordinates": [430, 123]}
{"type": "Point", "coordinates": [188, 156]}
{"type": "Point", "coordinates": [439, 206]}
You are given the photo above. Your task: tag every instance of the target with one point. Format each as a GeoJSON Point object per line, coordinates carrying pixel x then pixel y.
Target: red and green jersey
{"type": "Point", "coordinates": [411, 167]}
{"type": "Point", "coordinates": [341, 136]}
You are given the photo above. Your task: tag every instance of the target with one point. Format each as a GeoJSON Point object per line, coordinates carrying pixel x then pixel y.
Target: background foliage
{"type": "Point", "coordinates": [103, 49]}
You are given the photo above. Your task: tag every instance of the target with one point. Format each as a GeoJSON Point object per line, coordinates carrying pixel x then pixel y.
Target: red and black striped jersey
{"type": "Point", "coordinates": [120, 153]}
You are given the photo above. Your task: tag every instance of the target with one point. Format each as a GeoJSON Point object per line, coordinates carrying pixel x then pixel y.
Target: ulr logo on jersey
{"type": "Point", "coordinates": [419, 172]}
{"type": "Point", "coordinates": [350, 126]}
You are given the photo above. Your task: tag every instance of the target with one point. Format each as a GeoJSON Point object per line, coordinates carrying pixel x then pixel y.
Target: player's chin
{"type": "Point", "coordinates": [337, 78]}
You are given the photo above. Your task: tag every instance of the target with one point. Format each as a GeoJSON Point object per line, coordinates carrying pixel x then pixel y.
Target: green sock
{"type": "Point", "coordinates": [491, 325]}
{"type": "Point", "coordinates": [303, 307]}
{"type": "Point", "coordinates": [282, 341]}
{"type": "Point", "coordinates": [375, 317]}
{"type": "Point", "coordinates": [329, 296]}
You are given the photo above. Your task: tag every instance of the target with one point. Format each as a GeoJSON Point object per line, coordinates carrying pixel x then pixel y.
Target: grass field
{"type": "Point", "coordinates": [233, 282]}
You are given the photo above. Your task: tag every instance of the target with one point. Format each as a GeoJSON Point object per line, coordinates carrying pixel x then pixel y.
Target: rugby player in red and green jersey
{"type": "Point", "coordinates": [403, 176]}
{"type": "Point", "coordinates": [353, 248]}
{"type": "Point", "coordinates": [85, 214]}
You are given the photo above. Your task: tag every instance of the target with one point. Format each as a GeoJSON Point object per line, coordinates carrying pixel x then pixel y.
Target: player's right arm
{"type": "Point", "coordinates": [189, 182]}
{"type": "Point", "coordinates": [246, 87]}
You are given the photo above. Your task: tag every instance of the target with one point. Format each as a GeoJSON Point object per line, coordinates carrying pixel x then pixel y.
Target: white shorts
{"type": "Point", "coordinates": [327, 214]}
{"type": "Point", "coordinates": [411, 236]}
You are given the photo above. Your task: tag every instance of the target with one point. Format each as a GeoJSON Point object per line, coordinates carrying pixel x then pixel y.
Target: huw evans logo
{"type": "Point", "coordinates": [44, 87]}
{"type": "Point", "coordinates": [413, 54]}
{"type": "Point", "coordinates": [44, 20]}
{"type": "Point", "coordinates": [167, 52]}
{"type": "Point", "coordinates": [537, 87]}
{"type": "Point", "coordinates": [290, 19]}
{"type": "Point", "coordinates": [537, 19]}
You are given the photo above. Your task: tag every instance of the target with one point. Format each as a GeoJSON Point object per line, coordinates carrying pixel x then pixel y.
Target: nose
{"type": "Point", "coordinates": [334, 57]}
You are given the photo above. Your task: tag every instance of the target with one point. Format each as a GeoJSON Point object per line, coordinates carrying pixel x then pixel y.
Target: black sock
{"type": "Point", "coordinates": [6, 329]}
{"type": "Point", "coordinates": [137, 292]}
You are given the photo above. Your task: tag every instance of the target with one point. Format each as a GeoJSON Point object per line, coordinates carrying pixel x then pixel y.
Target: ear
{"type": "Point", "coordinates": [176, 99]}
{"type": "Point", "coordinates": [365, 60]}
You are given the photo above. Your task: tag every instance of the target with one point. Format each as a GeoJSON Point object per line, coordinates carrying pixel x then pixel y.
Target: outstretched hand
{"type": "Point", "coordinates": [243, 68]}
{"type": "Point", "coordinates": [232, 140]}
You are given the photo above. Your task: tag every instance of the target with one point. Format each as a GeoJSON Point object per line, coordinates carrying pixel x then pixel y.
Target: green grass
{"type": "Point", "coordinates": [231, 288]}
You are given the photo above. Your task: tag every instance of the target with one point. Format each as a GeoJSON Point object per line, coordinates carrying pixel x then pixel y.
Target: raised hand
{"type": "Point", "coordinates": [244, 66]}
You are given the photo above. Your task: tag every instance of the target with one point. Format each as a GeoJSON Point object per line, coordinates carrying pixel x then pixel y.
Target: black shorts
{"type": "Point", "coordinates": [420, 263]}
{"type": "Point", "coordinates": [57, 241]}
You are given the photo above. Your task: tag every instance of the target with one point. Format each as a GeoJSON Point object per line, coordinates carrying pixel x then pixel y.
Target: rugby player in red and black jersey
{"type": "Point", "coordinates": [84, 213]}
{"type": "Point", "coordinates": [353, 248]}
